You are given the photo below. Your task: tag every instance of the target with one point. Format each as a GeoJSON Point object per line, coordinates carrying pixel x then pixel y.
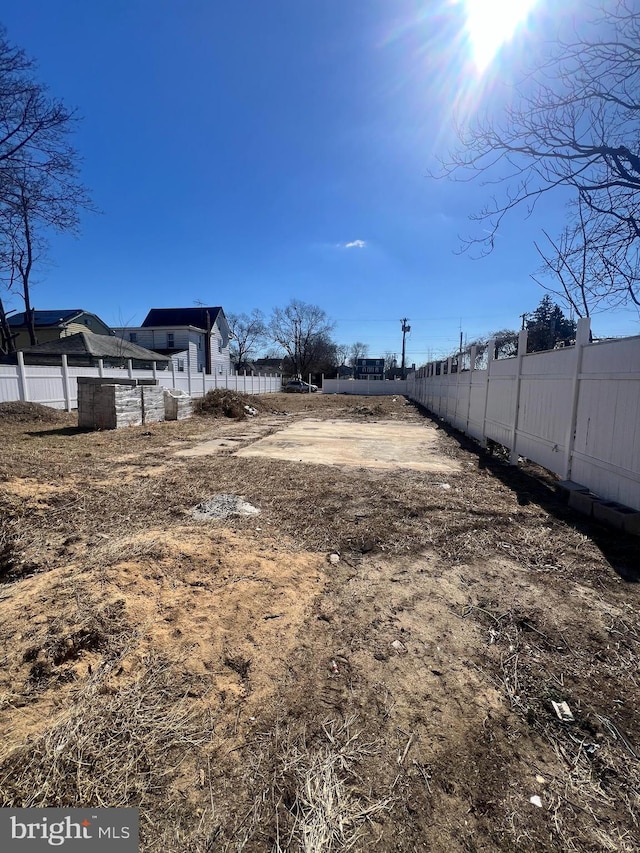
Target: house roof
{"type": "Point", "coordinates": [47, 318]}
{"type": "Point", "coordinates": [182, 317]}
{"type": "Point", "coordinates": [97, 346]}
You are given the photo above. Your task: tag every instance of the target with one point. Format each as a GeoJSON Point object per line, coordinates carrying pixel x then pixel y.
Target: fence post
{"type": "Point", "coordinates": [100, 368]}
{"type": "Point", "coordinates": [582, 339]}
{"type": "Point", "coordinates": [66, 389]}
{"type": "Point", "coordinates": [189, 375]}
{"type": "Point", "coordinates": [22, 377]}
{"type": "Point", "coordinates": [244, 382]}
{"type": "Point", "coordinates": [459, 368]}
{"type": "Point", "coordinates": [204, 382]}
{"type": "Point", "coordinates": [491, 357]}
{"type": "Point", "coordinates": [236, 381]}
{"type": "Point", "coordinates": [309, 383]}
{"type": "Point", "coordinates": [130, 368]}
{"type": "Point", "coordinates": [173, 373]}
{"type": "Point", "coordinates": [154, 369]}
{"type": "Point", "coordinates": [473, 352]}
{"type": "Point", "coordinates": [522, 349]}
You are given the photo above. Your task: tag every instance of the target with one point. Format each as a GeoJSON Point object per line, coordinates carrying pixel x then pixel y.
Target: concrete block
{"type": "Point", "coordinates": [632, 522]}
{"type": "Point", "coordinates": [106, 380]}
{"type": "Point", "coordinates": [152, 404]}
{"type": "Point", "coordinates": [582, 502]}
{"type": "Point", "coordinates": [564, 489]}
{"type": "Point", "coordinates": [617, 515]}
{"type": "Point", "coordinates": [178, 405]}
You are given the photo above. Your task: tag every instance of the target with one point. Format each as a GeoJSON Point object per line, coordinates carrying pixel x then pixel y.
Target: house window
{"type": "Point", "coordinates": [133, 337]}
{"type": "Point", "coordinates": [170, 340]}
{"type": "Point", "coordinates": [181, 365]}
{"type": "Point", "coordinates": [219, 344]}
{"type": "Point", "coordinates": [199, 343]}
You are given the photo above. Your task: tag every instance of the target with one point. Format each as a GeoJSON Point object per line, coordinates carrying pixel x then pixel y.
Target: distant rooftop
{"type": "Point", "coordinates": [47, 318]}
{"type": "Point", "coordinates": [182, 317]}
{"type": "Point", "coordinates": [97, 346]}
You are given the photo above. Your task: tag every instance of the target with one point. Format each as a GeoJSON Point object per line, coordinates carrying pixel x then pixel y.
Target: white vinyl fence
{"type": "Point", "coordinates": [58, 386]}
{"type": "Point", "coordinates": [367, 387]}
{"type": "Point", "coordinates": [575, 411]}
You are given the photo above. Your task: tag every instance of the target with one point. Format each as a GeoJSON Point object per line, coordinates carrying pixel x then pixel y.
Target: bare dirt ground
{"type": "Point", "coordinates": [248, 693]}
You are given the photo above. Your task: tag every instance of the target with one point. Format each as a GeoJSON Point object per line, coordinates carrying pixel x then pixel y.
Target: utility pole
{"type": "Point", "coordinates": [405, 329]}
{"type": "Point", "coordinates": [524, 317]}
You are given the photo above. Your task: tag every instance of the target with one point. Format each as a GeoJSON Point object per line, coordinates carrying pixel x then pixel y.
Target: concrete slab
{"type": "Point", "coordinates": [374, 444]}
{"type": "Point", "coordinates": [208, 448]}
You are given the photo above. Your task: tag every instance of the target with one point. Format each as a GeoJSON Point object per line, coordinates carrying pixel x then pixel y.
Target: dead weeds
{"type": "Point", "coordinates": [248, 696]}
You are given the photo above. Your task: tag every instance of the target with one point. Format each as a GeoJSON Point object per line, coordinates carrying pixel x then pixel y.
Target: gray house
{"type": "Point", "coordinates": [193, 338]}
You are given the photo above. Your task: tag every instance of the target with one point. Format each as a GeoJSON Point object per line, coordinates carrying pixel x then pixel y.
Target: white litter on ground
{"type": "Point", "coordinates": [223, 506]}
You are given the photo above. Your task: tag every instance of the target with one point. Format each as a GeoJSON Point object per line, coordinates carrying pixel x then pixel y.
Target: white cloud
{"type": "Point", "coordinates": [355, 244]}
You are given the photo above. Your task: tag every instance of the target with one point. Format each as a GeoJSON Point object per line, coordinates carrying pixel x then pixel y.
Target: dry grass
{"type": "Point", "coordinates": [114, 747]}
{"type": "Point", "coordinates": [188, 669]}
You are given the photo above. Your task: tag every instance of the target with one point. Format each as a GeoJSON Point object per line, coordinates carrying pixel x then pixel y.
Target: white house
{"type": "Point", "coordinates": [194, 338]}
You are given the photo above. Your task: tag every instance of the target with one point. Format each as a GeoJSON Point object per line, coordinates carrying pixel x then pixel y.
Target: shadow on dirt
{"type": "Point", "coordinates": [62, 431]}
{"type": "Point", "coordinates": [533, 484]}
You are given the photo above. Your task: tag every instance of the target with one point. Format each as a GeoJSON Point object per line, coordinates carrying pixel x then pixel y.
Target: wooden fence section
{"type": "Point", "coordinates": [58, 386]}
{"type": "Point", "coordinates": [575, 411]}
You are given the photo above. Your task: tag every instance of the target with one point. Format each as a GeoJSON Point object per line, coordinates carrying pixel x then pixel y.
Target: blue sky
{"type": "Point", "coordinates": [236, 149]}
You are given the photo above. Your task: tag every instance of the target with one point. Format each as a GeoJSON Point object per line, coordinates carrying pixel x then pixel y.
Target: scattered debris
{"type": "Point", "coordinates": [221, 402]}
{"type": "Point", "coordinates": [333, 666]}
{"type": "Point", "coordinates": [536, 801]}
{"type": "Point", "coordinates": [223, 506]}
{"type": "Point", "coordinates": [399, 647]}
{"type": "Point", "coordinates": [563, 712]}
{"type": "Point", "coordinates": [334, 559]}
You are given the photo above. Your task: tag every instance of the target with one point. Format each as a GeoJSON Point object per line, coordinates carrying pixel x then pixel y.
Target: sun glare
{"type": "Point", "coordinates": [491, 23]}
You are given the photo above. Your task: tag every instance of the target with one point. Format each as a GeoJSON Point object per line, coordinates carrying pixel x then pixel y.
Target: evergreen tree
{"type": "Point", "coordinates": [548, 326]}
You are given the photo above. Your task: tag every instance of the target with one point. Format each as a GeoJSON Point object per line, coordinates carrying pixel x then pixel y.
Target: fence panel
{"type": "Point", "coordinates": [575, 411]}
{"type": "Point", "coordinates": [46, 385]}
{"type": "Point", "coordinates": [544, 406]}
{"type": "Point", "coordinates": [366, 387]}
{"type": "Point", "coordinates": [606, 452]}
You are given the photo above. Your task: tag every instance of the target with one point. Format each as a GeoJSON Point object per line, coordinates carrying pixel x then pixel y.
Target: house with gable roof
{"type": "Point", "coordinates": [195, 339]}
{"type": "Point", "coordinates": [55, 324]}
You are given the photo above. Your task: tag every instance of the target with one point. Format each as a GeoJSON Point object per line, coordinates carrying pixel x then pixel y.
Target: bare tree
{"type": "Point", "coordinates": [342, 353]}
{"type": "Point", "coordinates": [571, 123]}
{"type": "Point", "coordinates": [248, 331]}
{"type": "Point", "coordinates": [357, 350]}
{"type": "Point", "coordinates": [39, 186]}
{"type": "Point", "coordinates": [390, 361]}
{"type": "Point", "coordinates": [583, 266]}
{"type": "Point", "coordinates": [300, 330]}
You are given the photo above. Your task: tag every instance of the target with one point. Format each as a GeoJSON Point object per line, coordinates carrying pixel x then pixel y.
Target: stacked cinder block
{"type": "Point", "coordinates": [114, 403]}
{"type": "Point", "coordinates": [152, 404]}
{"type": "Point", "coordinates": [107, 404]}
{"type": "Point", "coordinates": [610, 513]}
{"type": "Point", "coordinates": [177, 405]}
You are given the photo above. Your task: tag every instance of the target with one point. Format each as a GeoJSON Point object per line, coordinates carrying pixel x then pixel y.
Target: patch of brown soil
{"type": "Point", "coordinates": [397, 700]}
{"type": "Point", "coordinates": [26, 413]}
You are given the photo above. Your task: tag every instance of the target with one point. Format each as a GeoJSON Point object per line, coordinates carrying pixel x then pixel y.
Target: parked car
{"type": "Point", "coordinates": [297, 386]}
